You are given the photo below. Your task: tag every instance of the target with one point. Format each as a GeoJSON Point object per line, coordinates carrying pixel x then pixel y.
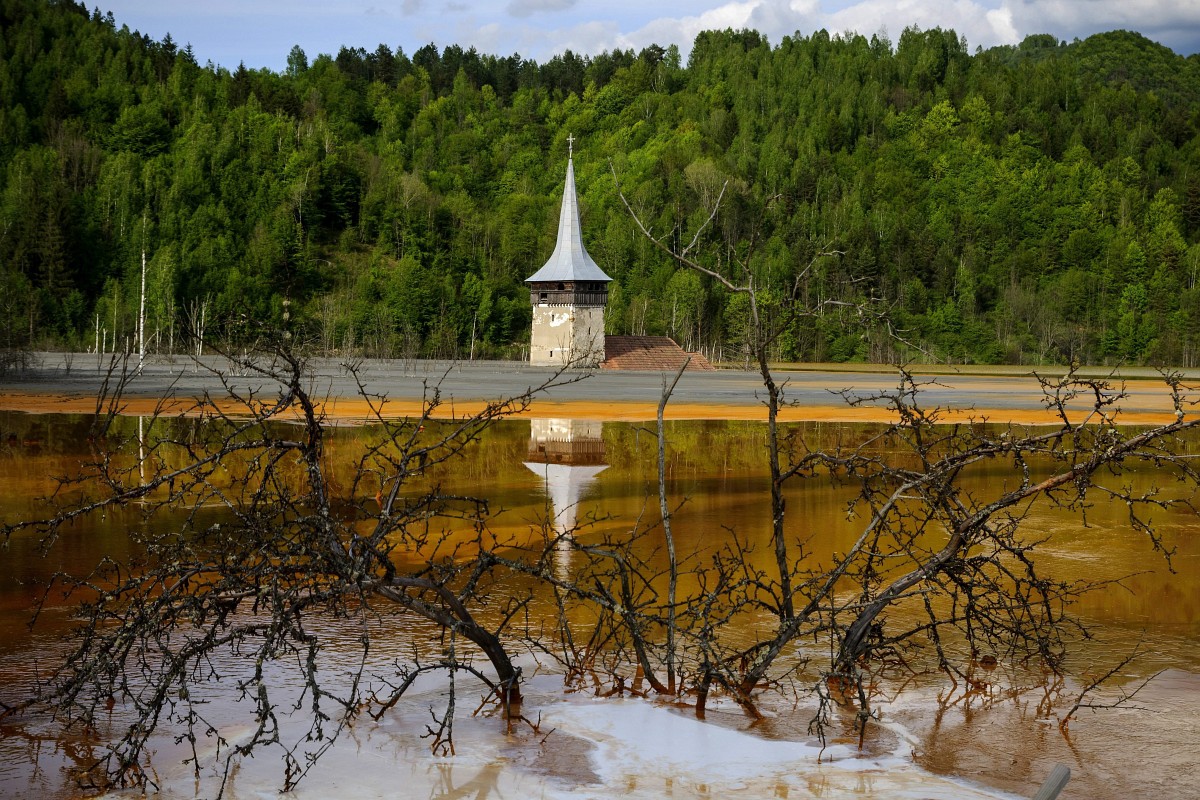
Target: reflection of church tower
{"type": "Point", "coordinates": [568, 454]}
{"type": "Point", "coordinates": [568, 294]}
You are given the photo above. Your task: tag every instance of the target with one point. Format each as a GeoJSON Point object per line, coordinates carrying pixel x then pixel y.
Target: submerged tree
{"type": "Point", "coordinates": [298, 548]}
{"type": "Point", "coordinates": [943, 541]}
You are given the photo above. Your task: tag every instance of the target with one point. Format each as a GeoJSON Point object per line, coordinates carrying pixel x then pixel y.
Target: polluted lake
{"type": "Point", "coordinates": [549, 533]}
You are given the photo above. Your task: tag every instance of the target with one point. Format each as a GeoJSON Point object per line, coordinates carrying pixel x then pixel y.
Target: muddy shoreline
{"type": "Point", "coordinates": [66, 383]}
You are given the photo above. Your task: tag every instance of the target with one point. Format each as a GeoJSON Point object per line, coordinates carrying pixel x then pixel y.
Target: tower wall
{"type": "Point", "coordinates": [567, 335]}
{"type": "Point", "coordinates": [589, 336]}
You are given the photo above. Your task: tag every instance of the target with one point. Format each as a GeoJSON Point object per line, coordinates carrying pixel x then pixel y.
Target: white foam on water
{"type": "Point", "coordinates": [585, 747]}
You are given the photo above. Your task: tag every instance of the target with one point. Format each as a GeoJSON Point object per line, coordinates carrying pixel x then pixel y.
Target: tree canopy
{"type": "Point", "coordinates": [1035, 203]}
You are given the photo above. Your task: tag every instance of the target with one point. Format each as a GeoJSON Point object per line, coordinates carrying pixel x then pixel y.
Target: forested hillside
{"type": "Point", "coordinates": [1021, 204]}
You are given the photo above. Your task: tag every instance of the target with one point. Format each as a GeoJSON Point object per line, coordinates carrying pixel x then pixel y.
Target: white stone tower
{"type": "Point", "coordinates": [568, 294]}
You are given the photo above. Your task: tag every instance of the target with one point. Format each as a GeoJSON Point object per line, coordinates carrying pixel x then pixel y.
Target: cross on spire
{"type": "Point", "coordinates": [570, 146]}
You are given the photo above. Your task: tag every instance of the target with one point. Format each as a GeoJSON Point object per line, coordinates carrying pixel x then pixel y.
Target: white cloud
{"type": "Point", "coordinates": [526, 8]}
{"type": "Point", "coordinates": [1069, 18]}
{"type": "Point", "coordinates": [221, 29]}
{"type": "Point", "coordinates": [980, 22]}
{"type": "Point", "coordinates": [983, 22]}
{"type": "Point", "coordinates": [490, 38]}
{"type": "Point", "coordinates": [966, 17]}
{"type": "Point", "coordinates": [588, 38]}
{"type": "Point", "coordinates": [1175, 23]}
{"type": "Point", "coordinates": [1103, 13]}
{"type": "Point", "coordinates": [1001, 21]}
{"type": "Point", "coordinates": [682, 30]}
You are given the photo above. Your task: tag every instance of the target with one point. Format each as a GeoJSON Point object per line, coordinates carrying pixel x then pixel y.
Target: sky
{"type": "Point", "coordinates": [262, 32]}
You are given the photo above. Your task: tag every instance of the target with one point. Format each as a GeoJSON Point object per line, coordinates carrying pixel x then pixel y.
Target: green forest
{"type": "Point", "coordinates": [1030, 204]}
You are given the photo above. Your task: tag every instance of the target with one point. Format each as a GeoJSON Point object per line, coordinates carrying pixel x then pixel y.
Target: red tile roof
{"type": "Point", "coordinates": [656, 353]}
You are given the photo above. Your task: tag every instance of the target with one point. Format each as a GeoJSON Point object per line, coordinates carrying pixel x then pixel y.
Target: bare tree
{"type": "Point", "coordinates": [949, 555]}
{"type": "Point", "coordinates": [297, 547]}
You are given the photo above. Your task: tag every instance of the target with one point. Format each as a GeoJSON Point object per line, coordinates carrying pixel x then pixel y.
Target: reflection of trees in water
{"type": "Point", "coordinates": [932, 571]}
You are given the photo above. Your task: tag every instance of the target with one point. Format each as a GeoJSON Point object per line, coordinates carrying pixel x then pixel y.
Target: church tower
{"type": "Point", "coordinates": [568, 293]}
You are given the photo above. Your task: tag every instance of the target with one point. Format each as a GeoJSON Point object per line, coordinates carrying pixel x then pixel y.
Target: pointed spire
{"type": "Point", "coordinates": [569, 261]}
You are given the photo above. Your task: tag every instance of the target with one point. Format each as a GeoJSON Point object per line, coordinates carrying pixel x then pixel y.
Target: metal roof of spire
{"type": "Point", "coordinates": [569, 261]}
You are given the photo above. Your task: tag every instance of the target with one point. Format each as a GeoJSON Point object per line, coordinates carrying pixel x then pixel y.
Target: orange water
{"type": "Point", "coordinates": [716, 470]}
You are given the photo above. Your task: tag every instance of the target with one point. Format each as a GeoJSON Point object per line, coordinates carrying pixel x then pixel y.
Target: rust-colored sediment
{"type": "Point", "coordinates": [357, 410]}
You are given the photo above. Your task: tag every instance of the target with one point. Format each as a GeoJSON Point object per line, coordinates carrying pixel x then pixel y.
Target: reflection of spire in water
{"type": "Point", "coordinates": [568, 454]}
{"type": "Point", "coordinates": [565, 484]}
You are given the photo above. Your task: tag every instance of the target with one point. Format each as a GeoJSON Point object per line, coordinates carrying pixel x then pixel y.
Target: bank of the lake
{"type": "Point", "coordinates": [69, 383]}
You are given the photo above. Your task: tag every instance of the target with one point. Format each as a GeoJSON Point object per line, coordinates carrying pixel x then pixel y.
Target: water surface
{"type": "Point", "coordinates": [601, 479]}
